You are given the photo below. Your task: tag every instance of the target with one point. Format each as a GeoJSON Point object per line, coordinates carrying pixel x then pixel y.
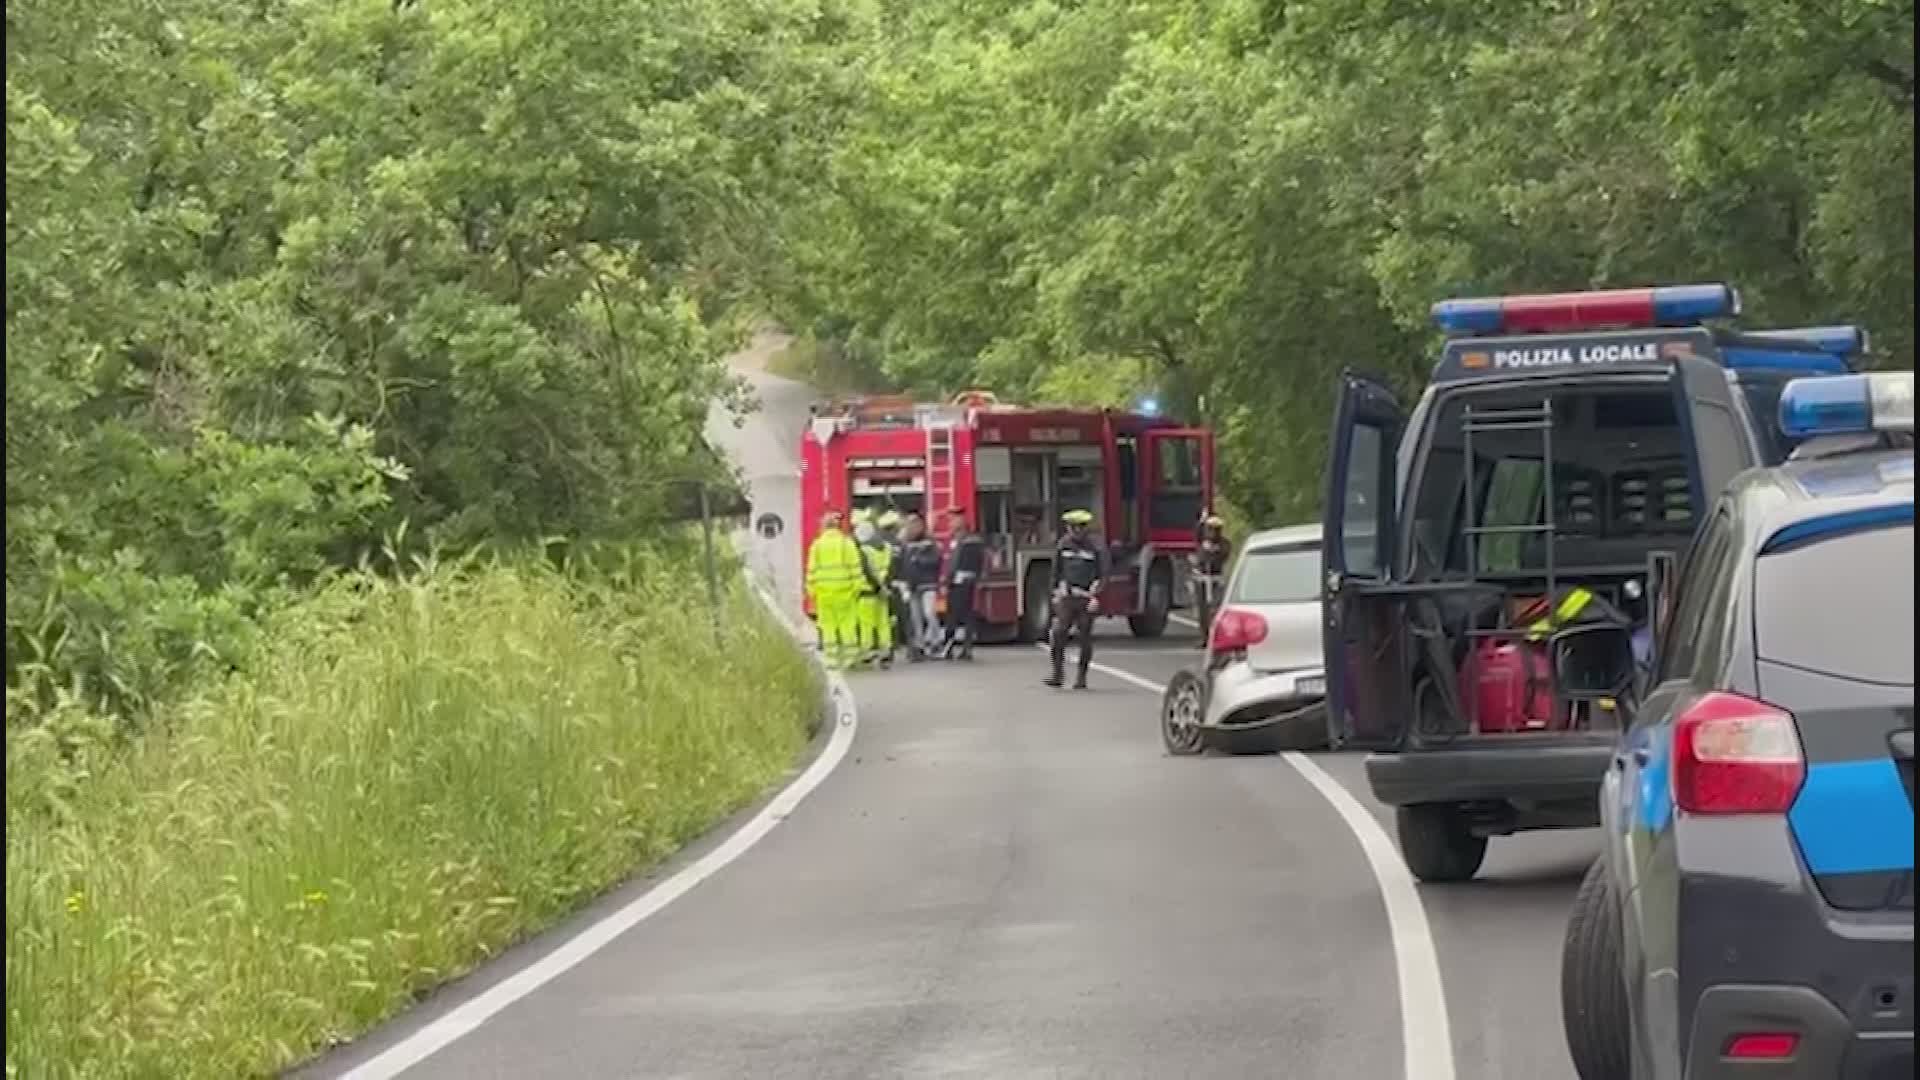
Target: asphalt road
{"type": "Point", "coordinates": [1002, 880]}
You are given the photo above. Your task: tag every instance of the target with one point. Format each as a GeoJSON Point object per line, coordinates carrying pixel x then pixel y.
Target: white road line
{"type": "Point", "coordinates": [1426, 1034]}
{"type": "Point", "coordinates": [472, 1013]}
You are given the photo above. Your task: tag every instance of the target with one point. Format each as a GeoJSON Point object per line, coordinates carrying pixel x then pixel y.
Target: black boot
{"type": "Point", "coordinates": [1054, 680]}
{"type": "Point", "coordinates": [1080, 679]}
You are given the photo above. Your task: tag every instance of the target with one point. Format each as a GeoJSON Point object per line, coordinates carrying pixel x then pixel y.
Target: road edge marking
{"type": "Point", "coordinates": [462, 1019]}
{"type": "Point", "coordinates": [1426, 1032]}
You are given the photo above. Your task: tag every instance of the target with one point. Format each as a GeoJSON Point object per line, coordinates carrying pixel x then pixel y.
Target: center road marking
{"type": "Point", "coordinates": [475, 1011]}
{"type": "Point", "coordinates": [1425, 1032]}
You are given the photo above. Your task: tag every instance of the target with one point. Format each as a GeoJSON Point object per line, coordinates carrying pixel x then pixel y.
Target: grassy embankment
{"type": "Point", "coordinates": [409, 776]}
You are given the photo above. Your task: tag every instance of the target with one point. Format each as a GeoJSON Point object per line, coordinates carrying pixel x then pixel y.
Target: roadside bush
{"type": "Point", "coordinates": [410, 775]}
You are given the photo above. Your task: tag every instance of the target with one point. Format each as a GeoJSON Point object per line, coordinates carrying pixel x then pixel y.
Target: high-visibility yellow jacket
{"type": "Point", "coordinates": [833, 566]}
{"type": "Point", "coordinates": [879, 567]}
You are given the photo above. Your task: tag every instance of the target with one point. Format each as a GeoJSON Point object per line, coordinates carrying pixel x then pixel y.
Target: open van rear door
{"type": "Point", "coordinates": [1360, 638]}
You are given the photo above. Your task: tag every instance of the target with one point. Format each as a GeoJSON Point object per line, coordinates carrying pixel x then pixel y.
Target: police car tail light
{"type": "Point", "coordinates": [1847, 404]}
{"type": "Point", "coordinates": [1734, 755]}
{"type": "Point", "coordinates": [1235, 630]}
{"type": "Point", "coordinates": [1673, 305]}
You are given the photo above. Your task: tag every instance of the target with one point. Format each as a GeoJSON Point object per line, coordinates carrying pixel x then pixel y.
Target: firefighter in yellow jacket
{"type": "Point", "coordinates": [834, 583]}
{"type": "Point", "coordinates": [876, 601]}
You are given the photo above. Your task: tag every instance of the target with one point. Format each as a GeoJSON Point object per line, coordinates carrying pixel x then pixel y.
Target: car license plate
{"type": "Point", "coordinates": [1312, 685]}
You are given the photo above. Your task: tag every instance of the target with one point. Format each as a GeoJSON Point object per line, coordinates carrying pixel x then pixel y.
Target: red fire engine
{"type": "Point", "coordinates": [1013, 471]}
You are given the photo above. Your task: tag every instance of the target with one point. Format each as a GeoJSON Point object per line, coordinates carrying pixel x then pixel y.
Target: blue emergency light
{"type": "Point", "coordinates": [1841, 341]}
{"type": "Point", "coordinates": [1847, 404]}
{"type": "Point", "coordinates": [1805, 362]}
{"type": "Point", "coordinates": [1607, 309]}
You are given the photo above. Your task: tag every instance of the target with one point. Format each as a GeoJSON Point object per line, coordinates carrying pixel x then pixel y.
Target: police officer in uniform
{"type": "Point", "coordinates": [965, 563]}
{"type": "Point", "coordinates": [1211, 553]}
{"type": "Point", "coordinates": [1079, 569]}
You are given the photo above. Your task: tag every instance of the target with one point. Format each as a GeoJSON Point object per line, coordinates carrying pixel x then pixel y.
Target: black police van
{"type": "Point", "coordinates": [1546, 479]}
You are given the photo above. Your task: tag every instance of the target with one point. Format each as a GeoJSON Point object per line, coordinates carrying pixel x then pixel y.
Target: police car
{"type": "Point", "coordinates": [1751, 913]}
{"type": "Point", "coordinates": [1553, 467]}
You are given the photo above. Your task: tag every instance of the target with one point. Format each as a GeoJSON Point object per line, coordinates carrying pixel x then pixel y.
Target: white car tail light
{"type": "Point", "coordinates": [1235, 630]}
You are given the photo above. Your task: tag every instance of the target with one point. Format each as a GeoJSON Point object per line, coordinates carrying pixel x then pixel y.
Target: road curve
{"type": "Point", "coordinates": [1498, 937]}
{"type": "Point", "coordinates": [1004, 881]}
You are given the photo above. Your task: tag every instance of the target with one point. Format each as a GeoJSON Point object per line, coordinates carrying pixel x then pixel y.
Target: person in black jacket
{"type": "Point", "coordinates": [966, 561]}
{"type": "Point", "coordinates": [1208, 568]}
{"type": "Point", "coordinates": [919, 571]}
{"type": "Point", "coordinates": [1079, 570]}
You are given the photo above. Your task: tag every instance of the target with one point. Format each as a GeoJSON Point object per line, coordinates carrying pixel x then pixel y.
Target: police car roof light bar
{"type": "Point", "coordinates": [1841, 341]}
{"type": "Point", "coordinates": [1847, 404]}
{"type": "Point", "coordinates": [1670, 305]}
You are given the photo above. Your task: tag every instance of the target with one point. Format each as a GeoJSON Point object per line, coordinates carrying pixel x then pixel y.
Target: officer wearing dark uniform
{"type": "Point", "coordinates": [1211, 553]}
{"type": "Point", "coordinates": [965, 564]}
{"type": "Point", "coordinates": [1079, 569]}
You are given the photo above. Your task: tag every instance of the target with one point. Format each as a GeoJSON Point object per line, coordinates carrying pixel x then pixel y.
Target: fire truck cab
{"type": "Point", "coordinates": [1013, 471]}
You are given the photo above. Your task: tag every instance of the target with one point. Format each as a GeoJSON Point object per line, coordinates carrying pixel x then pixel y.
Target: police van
{"type": "Point", "coordinates": [1546, 480]}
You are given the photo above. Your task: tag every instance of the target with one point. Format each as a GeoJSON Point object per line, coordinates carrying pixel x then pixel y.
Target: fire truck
{"type": "Point", "coordinates": [1013, 471]}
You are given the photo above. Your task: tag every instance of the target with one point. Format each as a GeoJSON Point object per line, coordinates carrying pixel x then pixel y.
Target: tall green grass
{"type": "Point", "coordinates": [413, 775]}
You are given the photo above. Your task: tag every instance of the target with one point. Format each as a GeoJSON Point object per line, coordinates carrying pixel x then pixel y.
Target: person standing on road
{"type": "Point", "coordinates": [1079, 570]}
{"type": "Point", "coordinates": [833, 583]}
{"type": "Point", "coordinates": [919, 569]}
{"type": "Point", "coordinates": [899, 599]}
{"type": "Point", "coordinates": [875, 603]}
{"type": "Point", "coordinates": [1211, 554]}
{"type": "Point", "coordinates": [966, 561]}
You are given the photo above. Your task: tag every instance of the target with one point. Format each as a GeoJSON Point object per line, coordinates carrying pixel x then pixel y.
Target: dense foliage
{"type": "Point", "coordinates": [1228, 201]}
{"type": "Point", "coordinates": [287, 277]}
{"type": "Point", "coordinates": [284, 275]}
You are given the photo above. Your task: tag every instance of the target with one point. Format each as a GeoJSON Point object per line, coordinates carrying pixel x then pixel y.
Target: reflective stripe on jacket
{"type": "Point", "coordinates": [1571, 605]}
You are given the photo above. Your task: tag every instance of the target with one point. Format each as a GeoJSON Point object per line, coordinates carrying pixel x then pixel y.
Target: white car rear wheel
{"type": "Point", "coordinates": [1182, 708]}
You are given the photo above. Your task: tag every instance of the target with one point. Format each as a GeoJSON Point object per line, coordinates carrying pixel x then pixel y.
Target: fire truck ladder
{"type": "Point", "coordinates": [940, 469]}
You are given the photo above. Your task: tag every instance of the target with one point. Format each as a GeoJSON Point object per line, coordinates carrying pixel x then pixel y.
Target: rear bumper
{"type": "Point", "coordinates": [1533, 774]}
{"type": "Point", "coordinates": [1240, 698]}
{"type": "Point", "coordinates": [1757, 949]}
{"type": "Point", "coordinates": [1828, 1048]}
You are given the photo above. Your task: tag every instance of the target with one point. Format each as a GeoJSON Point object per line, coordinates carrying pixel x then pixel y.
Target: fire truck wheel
{"type": "Point", "coordinates": [1152, 619]}
{"type": "Point", "coordinates": [1035, 614]}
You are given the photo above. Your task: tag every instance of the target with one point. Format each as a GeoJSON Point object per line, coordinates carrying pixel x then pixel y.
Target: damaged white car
{"type": "Point", "coordinates": [1261, 688]}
